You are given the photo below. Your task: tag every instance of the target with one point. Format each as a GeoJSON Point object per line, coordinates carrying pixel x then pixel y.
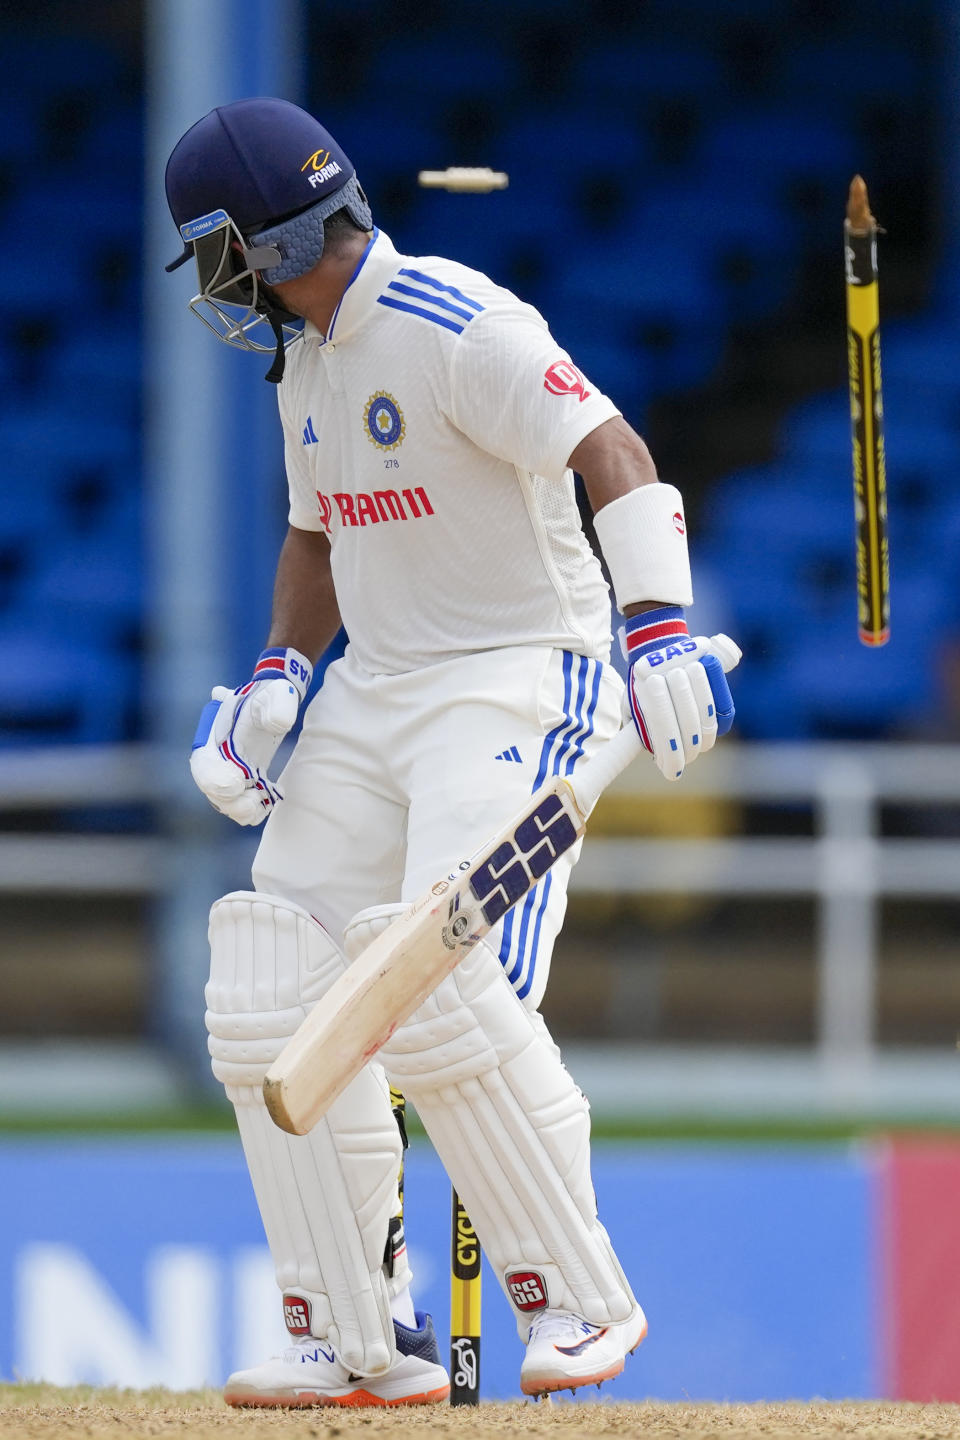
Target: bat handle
{"type": "Point", "coordinates": [594, 775]}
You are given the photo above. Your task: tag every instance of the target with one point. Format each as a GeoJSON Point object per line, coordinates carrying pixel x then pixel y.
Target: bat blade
{"type": "Point", "coordinates": [383, 986]}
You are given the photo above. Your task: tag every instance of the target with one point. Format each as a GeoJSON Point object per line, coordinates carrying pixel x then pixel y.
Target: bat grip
{"type": "Point", "coordinates": [592, 777]}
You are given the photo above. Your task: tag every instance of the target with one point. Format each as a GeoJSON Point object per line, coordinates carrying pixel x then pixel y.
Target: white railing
{"type": "Point", "coordinates": [845, 866]}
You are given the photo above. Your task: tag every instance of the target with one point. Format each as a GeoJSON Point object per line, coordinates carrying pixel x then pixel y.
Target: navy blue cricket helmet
{"type": "Point", "coordinates": [249, 187]}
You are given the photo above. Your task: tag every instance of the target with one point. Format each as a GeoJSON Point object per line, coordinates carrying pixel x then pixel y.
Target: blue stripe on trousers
{"type": "Point", "coordinates": [561, 750]}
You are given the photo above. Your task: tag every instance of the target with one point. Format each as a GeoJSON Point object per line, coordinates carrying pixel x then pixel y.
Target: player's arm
{"type": "Point", "coordinates": [680, 700]}
{"type": "Point", "coordinates": [240, 730]}
{"type": "Point", "coordinates": [611, 461]}
{"type": "Point", "coordinates": [306, 615]}
{"type": "Point", "coordinates": [521, 398]}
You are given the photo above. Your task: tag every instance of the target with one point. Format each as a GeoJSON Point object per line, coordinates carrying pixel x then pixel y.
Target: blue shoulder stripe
{"type": "Point", "coordinates": [424, 314]}
{"type": "Point", "coordinates": [447, 289]}
{"type": "Point", "coordinates": [430, 299]}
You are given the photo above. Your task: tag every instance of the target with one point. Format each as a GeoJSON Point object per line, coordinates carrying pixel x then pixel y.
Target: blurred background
{"type": "Point", "coordinates": [758, 983]}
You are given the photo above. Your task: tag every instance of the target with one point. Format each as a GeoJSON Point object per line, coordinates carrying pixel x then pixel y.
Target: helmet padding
{"type": "Point", "coordinates": [300, 239]}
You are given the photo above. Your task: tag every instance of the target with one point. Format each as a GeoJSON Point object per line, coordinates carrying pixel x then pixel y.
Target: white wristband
{"type": "Point", "coordinates": [643, 536]}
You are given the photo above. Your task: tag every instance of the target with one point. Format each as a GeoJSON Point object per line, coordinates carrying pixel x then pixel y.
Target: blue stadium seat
{"type": "Point", "coordinates": [806, 673]}
{"type": "Point", "coordinates": [114, 143]}
{"type": "Point", "coordinates": [76, 691]}
{"type": "Point", "coordinates": [852, 690]}
{"type": "Point", "coordinates": [620, 370]}
{"type": "Point", "coordinates": [774, 145]}
{"type": "Point", "coordinates": [613, 75]}
{"type": "Point", "coordinates": [771, 510]}
{"type": "Point", "coordinates": [365, 10]}
{"type": "Point", "coordinates": [804, 551]}
{"type": "Point", "coordinates": [72, 438]}
{"type": "Point", "coordinates": [817, 429]}
{"type": "Point", "coordinates": [479, 230]}
{"type": "Point", "coordinates": [414, 145]}
{"type": "Point", "coordinates": [664, 278]}
{"type": "Point", "coordinates": [660, 301]}
{"type": "Point", "coordinates": [550, 152]}
{"type": "Point", "coordinates": [29, 514]}
{"type": "Point", "coordinates": [912, 444]}
{"type": "Point", "coordinates": [20, 131]}
{"type": "Point", "coordinates": [694, 17]}
{"type": "Point", "coordinates": [767, 708]}
{"type": "Point", "coordinates": [830, 687]}
{"type": "Point", "coordinates": [51, 281]}
{"type": "Point", "coordinates": [95, 211]}
{"type": "Point", "coordinates": [440, 68]}
{"type": "Point", "coordinates": [62, 61]}
{"type": "Point", "coordinates": [920, 451]}
{"type": "Point", "coordinates": [518, 19]}
{"type": "Point", "coordinates": [102, 367]}
{"type": "Point", "coordinates": [839, 75]}
{"type": "Point", "coordinates": [10, 366]}
{"type": "Point", "coordinates": [92, 588]}
{"type": "Point", "coordinates": [924, 358]}
{"type": "Point", "coordinates": [750, 250]}
{"type": "Point", "coordinates": [758, 593]}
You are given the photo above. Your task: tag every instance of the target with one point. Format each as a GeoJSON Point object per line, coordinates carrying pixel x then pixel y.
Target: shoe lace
{"type": "Point", "coordinates": [558, 1323]}
{"type": "Point", "coordinates": [303, 1343]}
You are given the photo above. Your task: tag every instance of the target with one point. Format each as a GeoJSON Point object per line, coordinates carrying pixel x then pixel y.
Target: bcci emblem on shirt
{"type": "Point", "coordinates": [384, 421]}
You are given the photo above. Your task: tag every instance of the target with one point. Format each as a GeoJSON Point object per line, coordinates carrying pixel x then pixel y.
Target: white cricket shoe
{"type": "Point", "coordinates": [564, 1351]}
{"type": "Point", "coordinates": [309, 1373]}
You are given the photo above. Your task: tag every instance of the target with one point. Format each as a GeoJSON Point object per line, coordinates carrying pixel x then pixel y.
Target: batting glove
{"type": "Point", "coordinates": [676, 687]}
{"type": "Point", "coordinates": [239, 732]}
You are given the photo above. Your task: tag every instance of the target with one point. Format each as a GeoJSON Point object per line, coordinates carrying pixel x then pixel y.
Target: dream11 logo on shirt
{"type": "Point", "coordinates": [362, 509]}
{"type": "Point", "coordinates": [563, 378]}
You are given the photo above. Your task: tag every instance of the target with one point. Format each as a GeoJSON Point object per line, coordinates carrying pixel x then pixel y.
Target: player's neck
{"type": "Point", "coordinates": [317, 294]}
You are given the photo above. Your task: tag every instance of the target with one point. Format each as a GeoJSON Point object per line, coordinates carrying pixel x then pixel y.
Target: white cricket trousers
{"type": "Point", "coordinates": [396, 778]}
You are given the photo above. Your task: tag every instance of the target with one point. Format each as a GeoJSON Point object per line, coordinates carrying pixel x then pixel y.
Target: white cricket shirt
{"type": "Point", "coordinates": [428, 435]}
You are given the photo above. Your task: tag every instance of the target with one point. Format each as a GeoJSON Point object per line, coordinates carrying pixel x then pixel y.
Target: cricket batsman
{"type": "Point", "coordinates": [431, 426]}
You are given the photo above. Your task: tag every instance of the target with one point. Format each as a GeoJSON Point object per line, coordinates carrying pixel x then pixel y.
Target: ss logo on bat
{"type": "Point", "coordinates": [515, 865]}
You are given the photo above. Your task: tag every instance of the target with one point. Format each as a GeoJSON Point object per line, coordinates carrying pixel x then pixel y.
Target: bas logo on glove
{"type": "Point", "coordinates": [676, 687]}
{"type": "Point", "coordinates": [670, 652]}
{"type": "Point", "coordinates": [240, 731]}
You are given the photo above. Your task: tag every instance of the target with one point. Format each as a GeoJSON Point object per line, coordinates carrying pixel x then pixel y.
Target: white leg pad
{"type": "Point", "coordinates": [513, 1132]}
{"type": "Point", "coordinates": [326, 1198]}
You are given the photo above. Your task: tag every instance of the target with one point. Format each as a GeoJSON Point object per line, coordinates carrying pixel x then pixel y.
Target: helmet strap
{"type": "Point", "coordinates": [275, 373]}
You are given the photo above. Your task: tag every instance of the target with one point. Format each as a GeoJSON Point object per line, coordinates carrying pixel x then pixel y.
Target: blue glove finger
{"type": "Point", "coordinates": [722, 698]}
{"type": "Point", "coordinates": [205, 723]}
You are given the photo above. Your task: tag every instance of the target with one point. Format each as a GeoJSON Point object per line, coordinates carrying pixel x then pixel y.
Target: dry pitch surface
{"type": "Point", "coordinates": [41, 1412]}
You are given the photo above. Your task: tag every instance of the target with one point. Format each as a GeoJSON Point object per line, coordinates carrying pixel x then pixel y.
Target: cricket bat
{"type": "Point", "coordinates": [383, 986]}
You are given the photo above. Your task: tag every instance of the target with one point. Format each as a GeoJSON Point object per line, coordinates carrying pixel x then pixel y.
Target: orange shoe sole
{"type": "Point", "coordinates": [566, 1382]}
{"type": "Point", "coordinates": [305, 1399]}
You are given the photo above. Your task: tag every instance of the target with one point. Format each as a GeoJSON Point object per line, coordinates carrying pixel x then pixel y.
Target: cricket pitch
{"type": "Point", "coordinates": [41, 1412]}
